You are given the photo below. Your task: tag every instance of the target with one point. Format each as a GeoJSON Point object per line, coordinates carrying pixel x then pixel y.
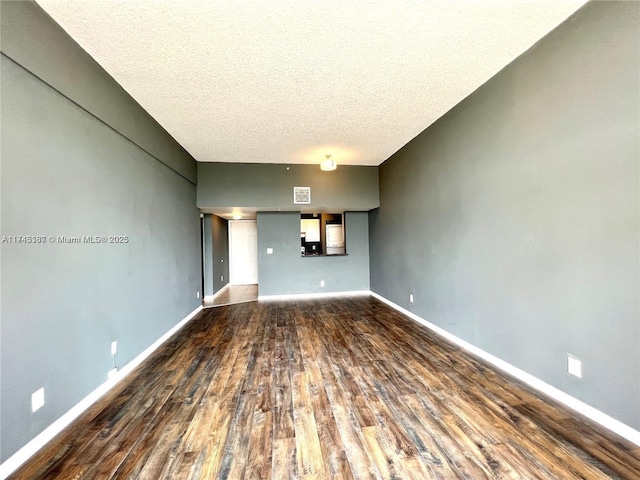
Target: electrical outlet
{"type": "Point", "coordinates": [222, 278]}
{"type": "Point", "coordinates": [269, 251]}
{"type": "Point", "coordinates": [114, 347]}
{"type": "Point", "coordinates": [574, 365]}
{"type": "Point", "coordinates": [198, 294]}
{"type": "Point", "coordinates": [222, 260]}
{"type": "Point", "coordinates": [322, 283]}
{"type": "Point", "coordinates": [37, 399]}
{"type": "Point", "coordinates": [411, 297]}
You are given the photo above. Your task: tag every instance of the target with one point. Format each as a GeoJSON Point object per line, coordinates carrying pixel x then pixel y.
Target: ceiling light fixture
{"type": "Point", "coordinates": [328, 163]}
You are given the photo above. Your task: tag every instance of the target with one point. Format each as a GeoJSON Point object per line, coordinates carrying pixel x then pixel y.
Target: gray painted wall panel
{"type": "Point", "coordinates": [207, 254]}
{"type": "Point", "coordinates": [31, 38]}
{"type": "Point", "coordinates": [287, 272]}
{"type": "Point", "coordinates": [64, 172]}
{"type": "Point", "coordinates": [514, 219]}
{"type": "Point", "coordinates": [220, 252]}
{"type": "Point", "coordinates": [270, 187]}
{"type": "Point", "coordinates": [216, 253]}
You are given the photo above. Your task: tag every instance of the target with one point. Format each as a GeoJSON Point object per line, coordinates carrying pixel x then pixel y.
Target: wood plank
{"type": "Point", "coordinates": [260, 456]}
{"type": "Point", "coordinates": [284, 458]}
{"type": "Point", "coordinates": [309, 458]}
{"type": "Point", "coordinates": [236, 450]}
{"type": "Point", "coordinates": [283, 404]}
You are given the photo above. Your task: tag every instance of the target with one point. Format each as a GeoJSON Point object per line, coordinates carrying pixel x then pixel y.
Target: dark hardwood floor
{"type": "Point", "coordinates": [339, 388]}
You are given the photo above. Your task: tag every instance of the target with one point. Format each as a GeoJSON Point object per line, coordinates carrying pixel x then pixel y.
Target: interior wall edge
{"type": "Point", "coordinates": [217, 294]}
{"type": "Point", "coordinates": [35, 41]}
{"type": "Point", "coordinates": [101, 120]}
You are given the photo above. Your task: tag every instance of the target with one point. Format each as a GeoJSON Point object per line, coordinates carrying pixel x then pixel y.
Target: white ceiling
{"type": "Point", "coordinates": [286, 81]}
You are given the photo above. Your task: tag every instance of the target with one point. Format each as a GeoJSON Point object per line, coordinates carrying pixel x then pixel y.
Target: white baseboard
{"type": "Point", "coordinates": [309, 296]}
{"type": "Point", "coordinates": [211, 298]}
{"type": "Point", "coordinates": [221, 290]}
{"type": "Point", "coordinates": [579, 406]}
{"type": "Point", "coordinates": [26, 452]}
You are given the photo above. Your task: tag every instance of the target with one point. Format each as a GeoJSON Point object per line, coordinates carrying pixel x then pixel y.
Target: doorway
{"type": "Point", "coordinates": [243, 252]}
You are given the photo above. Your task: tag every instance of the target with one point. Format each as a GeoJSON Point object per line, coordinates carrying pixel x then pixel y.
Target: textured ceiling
{"type": "Point", "coordinates": [284, 81]}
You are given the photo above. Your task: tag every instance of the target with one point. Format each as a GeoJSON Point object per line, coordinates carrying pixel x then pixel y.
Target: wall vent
{"type": "Point", "coordinates": [302, 195]}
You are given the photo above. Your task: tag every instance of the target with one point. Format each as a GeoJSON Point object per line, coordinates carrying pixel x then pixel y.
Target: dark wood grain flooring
{"type": "Point", "coordinates": [340, 388]}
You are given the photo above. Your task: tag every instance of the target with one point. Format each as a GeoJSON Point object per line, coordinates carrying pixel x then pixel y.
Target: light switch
{"type": "Point", "coordinates": [269, 251]}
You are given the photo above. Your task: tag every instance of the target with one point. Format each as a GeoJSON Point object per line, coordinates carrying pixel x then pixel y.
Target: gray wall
{"type": "Point", "coordinates": [270, 187]}
{"type": "Point", "coordinates": [66, 171]}
{"type": "Point", "coordinates": [287, 272]}
{"type": "Point", "coordinates": [514, 220]}
{"type": "Point", "coordinates": [216, 253]}
{"type": "Point", "coordinates": [33, 40]}
{"type": "Point", "coordinates": [220, 228]}
{"type": "Point", "coordinates": [207, 254]}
